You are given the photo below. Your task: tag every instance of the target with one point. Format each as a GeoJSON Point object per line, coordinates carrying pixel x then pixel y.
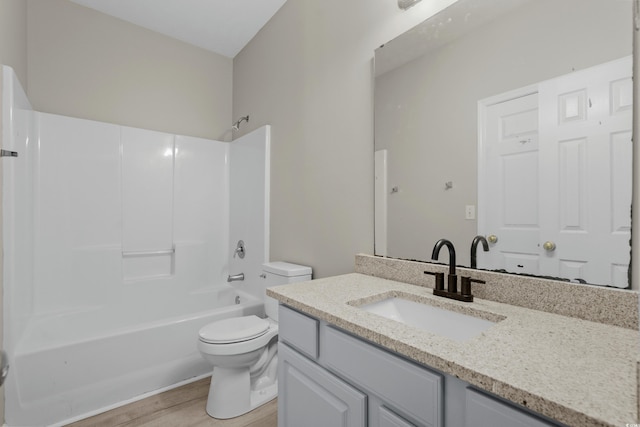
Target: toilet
{"type": "Point", "coordinates": [243, 350]}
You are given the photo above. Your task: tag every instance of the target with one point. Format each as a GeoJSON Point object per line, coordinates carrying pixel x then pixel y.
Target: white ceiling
{"type": "Point", "coordinates": [221, 26]}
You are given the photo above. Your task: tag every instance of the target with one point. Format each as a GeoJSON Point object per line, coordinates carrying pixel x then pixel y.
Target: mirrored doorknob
{"type": "Point", "coordinates": [492, 238]}
{"type": "Point", "coordinates": [549, 246]}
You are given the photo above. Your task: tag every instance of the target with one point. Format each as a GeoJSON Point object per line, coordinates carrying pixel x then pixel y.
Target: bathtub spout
{"type": "Point", "coordinates": [235, 277]}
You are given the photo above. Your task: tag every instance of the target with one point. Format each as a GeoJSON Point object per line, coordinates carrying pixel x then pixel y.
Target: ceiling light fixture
{"type": "Point", "coordinates": [406, 4]}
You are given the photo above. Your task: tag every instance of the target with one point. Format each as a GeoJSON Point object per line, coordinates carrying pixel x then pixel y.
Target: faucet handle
{"type": "Point", "coordinates": [239, 249]}
{"type": "Point", "coordinates": [465, 285]}
{"type": "Point", "coordinates": [439, 279]}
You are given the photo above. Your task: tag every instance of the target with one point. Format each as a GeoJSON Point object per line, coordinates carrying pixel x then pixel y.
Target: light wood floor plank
{"type": "Point", "coordinates": [183, 406]}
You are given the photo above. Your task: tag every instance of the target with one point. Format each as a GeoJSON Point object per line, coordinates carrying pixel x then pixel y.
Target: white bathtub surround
{"type": "Point", "coordinates": [117, 244]}
{"type": "Point", "coordinates": [16, 111]}
{"type": "Point", "coordinates": [249, 175]}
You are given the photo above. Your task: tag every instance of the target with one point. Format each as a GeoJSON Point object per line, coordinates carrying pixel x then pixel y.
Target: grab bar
{"type": "Point", "coordinates": [147, 253]}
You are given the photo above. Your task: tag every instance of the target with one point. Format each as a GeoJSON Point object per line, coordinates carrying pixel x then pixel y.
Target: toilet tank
{"type": "Point", "coordinates": [280, 273]}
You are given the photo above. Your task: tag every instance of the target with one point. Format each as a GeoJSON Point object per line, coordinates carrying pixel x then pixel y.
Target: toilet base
{"type": "Point", "coordinates": [230, 393]}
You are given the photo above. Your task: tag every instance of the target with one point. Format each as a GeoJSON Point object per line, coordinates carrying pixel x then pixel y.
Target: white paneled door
{"type": "Point", "coordinates": [509, 208]}
{"type": "Point", "coordinates": [585, 122]}
{"type": "Point", "coordinates": [556, 177]}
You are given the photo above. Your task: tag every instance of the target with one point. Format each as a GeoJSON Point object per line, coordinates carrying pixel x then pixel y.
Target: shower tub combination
{"type": "Point", "coordinates": [117, 245]}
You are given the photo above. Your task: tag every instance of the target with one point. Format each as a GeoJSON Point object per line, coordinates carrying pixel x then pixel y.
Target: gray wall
{"type": "Point", "coordinates": [86, 64]}
{"type": "Point", "coordinates": [308, 73]}
{"type": "Point", "coordinates": [426, 110]}
{"type": "Point", "coordinates": [13, 37]}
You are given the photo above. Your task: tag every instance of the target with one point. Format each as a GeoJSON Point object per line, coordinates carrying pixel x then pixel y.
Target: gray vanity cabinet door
{"type": "Point", "coordinates": [485, 411]}
{"type": "Point", "coordinates": [312, 397]}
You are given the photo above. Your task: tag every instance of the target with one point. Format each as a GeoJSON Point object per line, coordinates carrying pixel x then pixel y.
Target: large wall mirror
{"type": "Point", "coordinates": [509, 119]}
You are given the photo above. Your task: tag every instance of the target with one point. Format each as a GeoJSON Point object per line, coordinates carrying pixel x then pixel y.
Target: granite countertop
{"type": "Point", "coordinates": [578, 372]}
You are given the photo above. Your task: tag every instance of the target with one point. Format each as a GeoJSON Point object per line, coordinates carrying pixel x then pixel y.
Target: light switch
{"type": "Point", "coordinates": [470, 212]}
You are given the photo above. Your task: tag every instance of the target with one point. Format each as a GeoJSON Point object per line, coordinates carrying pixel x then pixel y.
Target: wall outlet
{"type": "Point", "coordinates": [470, 212]}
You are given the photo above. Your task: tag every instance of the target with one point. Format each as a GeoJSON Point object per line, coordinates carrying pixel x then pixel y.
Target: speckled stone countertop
{"type": "Point", "coordinates": [575, 371]}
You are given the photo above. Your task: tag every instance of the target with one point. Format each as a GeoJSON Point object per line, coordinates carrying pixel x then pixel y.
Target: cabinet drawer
{"type": "Point", "coordinates": [485, 411]}
{"type": "Point", "coordinates": [410, 390]}
{"type": "Point", "coordinates": [299, 331]}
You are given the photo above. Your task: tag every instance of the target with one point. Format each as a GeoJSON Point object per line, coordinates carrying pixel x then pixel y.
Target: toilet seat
{"type": "Point", "coordinates": [234, 330]}
{"type": "Point", "coordinates": [240, 347]}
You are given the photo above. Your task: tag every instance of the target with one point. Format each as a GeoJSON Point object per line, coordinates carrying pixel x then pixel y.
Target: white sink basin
{"type": "Point", "coordinates": [456, 326]}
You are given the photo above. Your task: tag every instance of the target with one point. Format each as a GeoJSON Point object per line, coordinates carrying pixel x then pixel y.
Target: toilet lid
{"type": "Point", "coordinates": [234, 329]}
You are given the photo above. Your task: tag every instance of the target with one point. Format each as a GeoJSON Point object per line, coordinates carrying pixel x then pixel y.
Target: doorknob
{"type": "Point", "coordinates": [549, 246]}
{"type": "Point", "coordinates": [492, 238]}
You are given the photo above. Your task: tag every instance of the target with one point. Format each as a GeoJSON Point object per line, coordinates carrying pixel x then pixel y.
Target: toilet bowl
{"type": "Point", "coordinates": [243, 351]}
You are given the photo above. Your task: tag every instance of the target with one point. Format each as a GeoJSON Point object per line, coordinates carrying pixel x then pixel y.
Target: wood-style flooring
{"type": "Point", "coordinates": [181, 407]}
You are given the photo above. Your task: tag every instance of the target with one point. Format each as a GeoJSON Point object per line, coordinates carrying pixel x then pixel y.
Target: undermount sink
{"type": "Point", "coordinates": [446, 323]}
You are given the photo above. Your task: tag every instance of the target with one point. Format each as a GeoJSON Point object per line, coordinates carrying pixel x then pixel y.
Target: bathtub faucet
{"type": "Point", "coordinates": [235, 277]}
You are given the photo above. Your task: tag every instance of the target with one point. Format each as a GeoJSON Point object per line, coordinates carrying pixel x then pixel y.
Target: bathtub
{"type": "Point", "coordinates": [69, 366]}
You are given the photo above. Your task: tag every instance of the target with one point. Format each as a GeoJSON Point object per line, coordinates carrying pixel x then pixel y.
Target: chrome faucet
{"type": "Point", "coordinates": [474, 249]}
{"type": "Point", "coordinates": [235, 277]}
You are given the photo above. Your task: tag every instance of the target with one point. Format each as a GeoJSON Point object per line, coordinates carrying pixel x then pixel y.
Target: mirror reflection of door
{"type": "Point", "coordinates": [380, 199]}
{"type": "Point", "coordinates": [508, 207]}
{"type": "Point", "coordinates": [583, 124]}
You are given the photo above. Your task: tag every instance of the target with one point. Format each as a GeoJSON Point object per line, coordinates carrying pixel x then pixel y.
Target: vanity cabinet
{"type": "Point", "coordinates": [328, 377]}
